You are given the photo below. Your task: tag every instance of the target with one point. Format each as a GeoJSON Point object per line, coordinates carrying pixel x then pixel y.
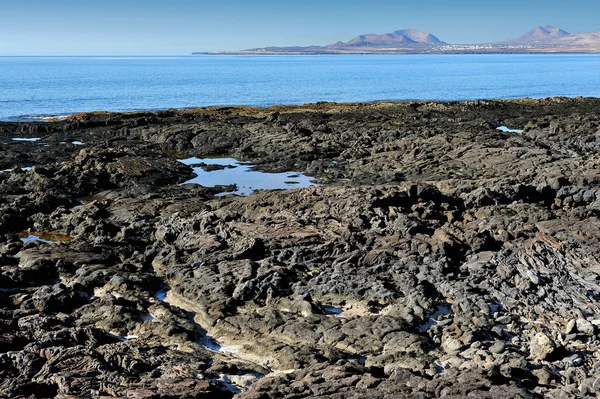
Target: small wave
{"type": "Point", "coordinates": [40, 118]}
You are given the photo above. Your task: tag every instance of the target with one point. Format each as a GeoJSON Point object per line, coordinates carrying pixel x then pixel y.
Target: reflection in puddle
{"type": "Point", "coordinates": [147, 317]}
{"type": "Point", "coordinates": [211, 344]}
{"type": "Point", "coordinates": [494, 307]}
{"type": "Point", "coordinates": [228, 171]}
{"type": "Point", "coordinates": [78, 143]}
{"type": "Point", "coordinates": [161, 295]}
{"type": "Point", "coordinates": [332, 310]}
{"type": "Point", "coordinates": [48, 238]}
{"type": "Point", "coordinates": [35, 238]}
{"type": "Point", "coordinates": [508, 130]}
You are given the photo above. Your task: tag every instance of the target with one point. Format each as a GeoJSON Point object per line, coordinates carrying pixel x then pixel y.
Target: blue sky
{"type": "Point", "coordinates": [149, 27]}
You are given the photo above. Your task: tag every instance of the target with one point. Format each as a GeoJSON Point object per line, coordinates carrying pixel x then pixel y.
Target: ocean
{"type": "Point", "coordinates": [34, 87]}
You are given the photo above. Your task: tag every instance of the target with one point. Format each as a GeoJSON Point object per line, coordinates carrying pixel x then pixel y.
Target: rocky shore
{"type": "Point", "coordinates": [436, 257]}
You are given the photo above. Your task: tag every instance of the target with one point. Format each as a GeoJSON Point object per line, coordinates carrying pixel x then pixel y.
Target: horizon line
{"type": "Point", "coordinates": [236, 54]}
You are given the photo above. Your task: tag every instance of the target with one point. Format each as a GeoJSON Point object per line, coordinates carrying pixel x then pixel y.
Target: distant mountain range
{"type": "Point", "coordinates": [551, 36]}
{"type": "Point", "coordinates": [539, 35]}
{"type": "Point", "coordinates": [542, 39]}
{"type": "Point", "coordinates": [399, 38]}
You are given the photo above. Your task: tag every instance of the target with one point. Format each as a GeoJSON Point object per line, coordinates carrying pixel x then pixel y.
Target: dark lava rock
{"type": "Point", "coordinates": [438, 257]}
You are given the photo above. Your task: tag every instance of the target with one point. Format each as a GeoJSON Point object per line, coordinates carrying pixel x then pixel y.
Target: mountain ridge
{"type": "Point", "coordinates": [540, 34]}
{"type": "Point", "coordinates": [541, 39]}
{"type": "Point", "coordinates": [409, 37]}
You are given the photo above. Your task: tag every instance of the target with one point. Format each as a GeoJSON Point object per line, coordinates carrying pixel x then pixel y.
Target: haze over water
{"type": "Point", "coordinates": [47, 86]}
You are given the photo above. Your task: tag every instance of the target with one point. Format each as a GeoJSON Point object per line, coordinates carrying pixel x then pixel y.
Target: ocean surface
{"type": "Point", "coordinates": [32, 87]}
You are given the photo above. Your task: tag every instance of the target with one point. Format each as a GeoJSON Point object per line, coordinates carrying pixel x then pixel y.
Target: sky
{"type": "Point", "coordinates": [179, 27]}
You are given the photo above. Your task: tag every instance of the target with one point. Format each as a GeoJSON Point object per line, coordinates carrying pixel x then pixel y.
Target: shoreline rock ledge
{"type": "Point", "coordinates": [436, 256]}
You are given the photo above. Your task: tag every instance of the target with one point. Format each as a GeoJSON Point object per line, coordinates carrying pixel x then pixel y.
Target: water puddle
{"type": "Point", "coordinates": [147, 317]}
{"type": "Point", "coordinates": [123, 338]}
{"type": "Point", "coordinates": [228, 171]}
{"type": "Point", "coordinates": [32, 139]}
{"type": "Point", "coordinates": [25, 169]}
{"type": "Point", "coordinates": [494, 307]}
{"type": "Point", "coordinates": [213, 345]}
{"type": "Point", "coordinates": [161, 295]}
{"type": "Point", "coordinates": [225, 381]}
{"type": "Point", "coordinates": [38, 141]}
{"type": "Point", "coordinates": [45, 237]}
{"type": "Point", "coordinates": [210, 344]}
{"type": "Point", "coordinates": [508, 130]}
{"type": "Point", "coordinates": [236, 383]}
{"type": "Point", "coordinates": [332, 310]}
{"type": "Point", "coordinates": [437, 317]}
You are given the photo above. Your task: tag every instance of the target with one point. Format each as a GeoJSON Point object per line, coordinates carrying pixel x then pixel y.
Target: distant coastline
{"type": "Point", "coordinates": [540, 40]}
{"type": "Point", "coordinates": [408, 52]}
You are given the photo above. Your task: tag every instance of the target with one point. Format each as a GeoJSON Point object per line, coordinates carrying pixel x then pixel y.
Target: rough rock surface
{"type": "Point", "coordinates": [438, 257]}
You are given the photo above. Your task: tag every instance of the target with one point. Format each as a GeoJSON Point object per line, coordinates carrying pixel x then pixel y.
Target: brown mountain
{"type": "Point", "coordinates": [399, 38]}
{"type": "Point", "coordinates": [551, 36]}
{"type": "Point", "coordinates": [581, 39]}
{"type": "Point", "coordinates": [539, 35]}
{"type": "Point", "coordinates": [405, 39]}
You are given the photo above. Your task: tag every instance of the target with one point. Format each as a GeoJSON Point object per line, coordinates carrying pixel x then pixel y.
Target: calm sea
{"type": "Point", "coordinates": [50, 86]}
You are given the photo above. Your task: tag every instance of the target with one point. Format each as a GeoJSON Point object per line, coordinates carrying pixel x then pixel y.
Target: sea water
{"type": "Point", "coordinates": [35, 87]}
